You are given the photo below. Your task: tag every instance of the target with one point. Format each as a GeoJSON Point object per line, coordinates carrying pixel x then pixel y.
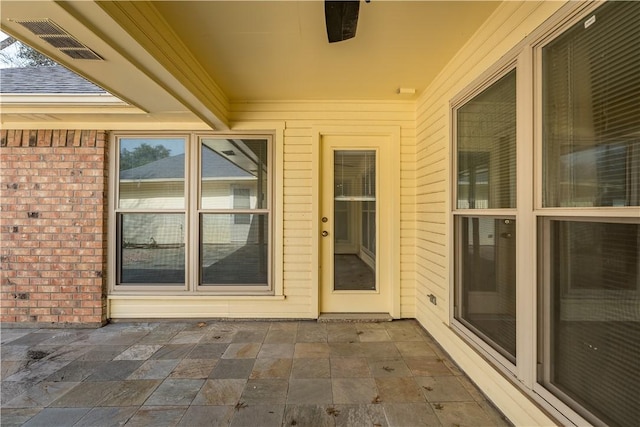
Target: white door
{"type": "Point", "coordinates": [356, 234]}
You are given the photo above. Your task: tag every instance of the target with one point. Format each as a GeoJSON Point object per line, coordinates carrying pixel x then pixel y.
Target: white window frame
{"type": "Point", "coordinates": [191, 211]}
{"type": "Point", "coordinates": [545, 215]}
{"type": "Point", "coordinates": [198, 210]}
{"type": "Point", "coordinates": [510, 63]}
{"type": "Point", "coordinates": [529, 214]}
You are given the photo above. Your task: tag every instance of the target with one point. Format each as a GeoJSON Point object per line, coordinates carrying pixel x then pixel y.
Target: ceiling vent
{"type": "Point", "coordinates": [57, 37]}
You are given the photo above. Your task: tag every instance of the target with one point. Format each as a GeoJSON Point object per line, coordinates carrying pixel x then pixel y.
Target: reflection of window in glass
{"type": "Point", "coordinates": [342, 213]}
{"type": "Point", "coordinates": [591, 99]}
{"type": "Point", "coordinates": [486, 266]}
{"type": "Point", "coordinates": [599, 256]}
{"type": "Point", "coordinates": [593, 285]}
{"type": "Point", "coordinates": [241, 200]}
{"type": "Point", "coordinates": [486, 146]}
{"type": "Point", "coordinates": [473, 180]}
{"type": "Point", "coordinates": [231, 163]}
{"type": "Point", "coordinates": [151, 173]}
{"type": "Point", "coordinates": [151, 248]}
{"type": "Point", "coordinates": [369, 227]}
{"type": "Point", "coordinates": [234, 215]}
{"type": "Point", "coordinates": [231, 219]}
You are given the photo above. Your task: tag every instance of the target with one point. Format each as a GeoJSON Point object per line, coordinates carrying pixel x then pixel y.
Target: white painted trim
{"type": "Point", "coordinates": [526, 290]}
{"type": "Point", "coordinates": [316, 168]}
{"type": "Point", "coordinates": [393, 132]}
{"type": "Point", "coordinates": [179, 73]}
{"type": "Point", "coordinates": [198, 297]}
{"type": "Point", "coordinates": [63, 100]}
{"type": "Point", "coordinates": [277, 209]}
{"type": "Point", "coordinates": [275, 130]}
{"type": "Point", "coordinates": [524, 378]}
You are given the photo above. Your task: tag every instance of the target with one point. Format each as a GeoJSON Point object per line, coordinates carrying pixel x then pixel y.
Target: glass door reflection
{"type": "Point", "coordinates": [355, 220]}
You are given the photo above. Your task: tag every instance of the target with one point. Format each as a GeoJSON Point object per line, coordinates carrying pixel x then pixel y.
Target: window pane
{"type": "Point", "coordinates": [342, 213]}
{"type": "Point", "coordinates": [369, 226]}
{"type": "Point", "coordinates": [595, 324]}
{"type": "Point", "coordinates": [241, 200]}
{"type": "Point", "coordinates": [151, 173]}
{"type": "Point", "coordinates": [487, 280]}
{"type": "Point", "coordinates": [591, 100]}
{"type": "Point", "coordinates": [354, 190]}
{"type": "Point", "coordinates": [355, 175]}
{"type": "Point", "coordinates": [229, 163]}
{"type": "Point", "coordinates": [233, 254]}
{"type": "Point", "coordinates": [151, 249]}
{"type": "Point", "coordinates": [486, 144]}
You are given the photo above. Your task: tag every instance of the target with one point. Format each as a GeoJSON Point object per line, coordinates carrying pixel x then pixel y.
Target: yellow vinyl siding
{"type": "Point", "coordinates": [299, 205]}
{"type": "Point", "coordinates": [300, 210]}
{"type": "Point", "coordinates": [507, 27]}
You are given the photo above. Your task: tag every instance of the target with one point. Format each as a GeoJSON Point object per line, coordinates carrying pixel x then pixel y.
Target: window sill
{"type": "Point", "coordinates": [199, 297]}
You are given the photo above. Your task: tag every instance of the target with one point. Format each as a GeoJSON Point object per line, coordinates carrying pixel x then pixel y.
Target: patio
{"type": "Point", "coordinates": [238, 373]}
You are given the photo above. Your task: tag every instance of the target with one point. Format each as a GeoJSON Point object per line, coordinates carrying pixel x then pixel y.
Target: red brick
{"type": "Point", "coordinates": [6, 302]}
{"type": "Point", "coordinates": [57, 257]}
{"type": "Point", "coordinates": [76, 319]}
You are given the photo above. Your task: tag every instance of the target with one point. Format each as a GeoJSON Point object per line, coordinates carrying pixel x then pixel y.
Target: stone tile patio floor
{"type": "Point", "coordinates": [245, 373]}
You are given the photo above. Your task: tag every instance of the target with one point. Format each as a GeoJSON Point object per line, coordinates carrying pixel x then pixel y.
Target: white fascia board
{"type": "Point", "coordinates": [63, 100]}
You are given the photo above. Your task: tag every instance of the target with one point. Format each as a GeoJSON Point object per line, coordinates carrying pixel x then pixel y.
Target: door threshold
{"type": "Point", "coordinates": [354, 317]}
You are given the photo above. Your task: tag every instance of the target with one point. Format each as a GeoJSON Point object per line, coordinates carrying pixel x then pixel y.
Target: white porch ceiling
{"type": "Point", "coordinates": [187, 59]}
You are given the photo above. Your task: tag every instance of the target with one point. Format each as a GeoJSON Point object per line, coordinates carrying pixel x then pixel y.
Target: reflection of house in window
{"type": "Point", "coordinates": [602, 174]}
{"type": "Point", "coordinates": [241, 200]}
{"type": "Point", "coordinates": [152, 244]}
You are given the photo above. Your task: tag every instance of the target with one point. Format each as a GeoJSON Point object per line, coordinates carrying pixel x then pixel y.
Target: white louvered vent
{"type": "Point", "coordinates": [57, 37]}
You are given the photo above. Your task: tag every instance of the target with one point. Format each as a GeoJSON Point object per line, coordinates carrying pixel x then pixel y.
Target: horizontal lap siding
{"type": "Point", "coordinates": [300, 119]}
{"type": "Point", "coordinates": [507, 27]}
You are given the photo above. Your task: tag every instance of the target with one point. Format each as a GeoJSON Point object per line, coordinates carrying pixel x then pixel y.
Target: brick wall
{"type": "Point", "coordinates": [53, 187]}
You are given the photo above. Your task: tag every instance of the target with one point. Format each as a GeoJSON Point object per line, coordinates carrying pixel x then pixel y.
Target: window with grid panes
{"type": "Point", "coordinates": [204, 228]}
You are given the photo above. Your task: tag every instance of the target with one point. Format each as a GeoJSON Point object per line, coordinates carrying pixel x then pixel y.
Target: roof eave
{"type": "Point", "coordinates": [61, 99]}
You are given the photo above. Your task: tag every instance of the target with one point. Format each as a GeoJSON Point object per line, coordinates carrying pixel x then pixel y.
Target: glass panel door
{"type": "Point", "coordinates": [356, 227]}
{"type": "Point", "coordinates": [354, 207]}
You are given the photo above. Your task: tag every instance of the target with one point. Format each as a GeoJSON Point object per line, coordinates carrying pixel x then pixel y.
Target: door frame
{"type": "Point", "coordinates": [393, 135]}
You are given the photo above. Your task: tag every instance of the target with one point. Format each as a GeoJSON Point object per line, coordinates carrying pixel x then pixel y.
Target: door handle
{"type": "Point", "coordinates": [325, 233]}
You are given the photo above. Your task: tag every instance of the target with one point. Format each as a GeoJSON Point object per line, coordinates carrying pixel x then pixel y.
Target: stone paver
{"type": "Point", "coordinates": [235, 374]}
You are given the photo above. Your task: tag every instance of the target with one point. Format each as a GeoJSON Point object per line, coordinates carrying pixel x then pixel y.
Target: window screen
{"type": "Point", "coordinates": [487, 280]}
{"type": "Point", "coordinates": [151, 216]}
{"type": "Point", "coordinates": [234, 216]}
{"type": "Point", "coordinates": [193, 213]}
{"type": "Point", "coordinates": [485, 283]}
{"type": "Point", "coordinates": [486, 143]}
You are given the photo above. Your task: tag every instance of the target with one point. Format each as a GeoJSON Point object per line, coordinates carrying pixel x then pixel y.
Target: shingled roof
{"type": "Point", "coordinates": [214, 166]}
{"type": "Point", "coordinates": [45, 80]}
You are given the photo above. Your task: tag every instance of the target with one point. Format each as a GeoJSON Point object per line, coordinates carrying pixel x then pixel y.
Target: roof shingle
{"type": "Point", "coordinates": [45, 80]}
